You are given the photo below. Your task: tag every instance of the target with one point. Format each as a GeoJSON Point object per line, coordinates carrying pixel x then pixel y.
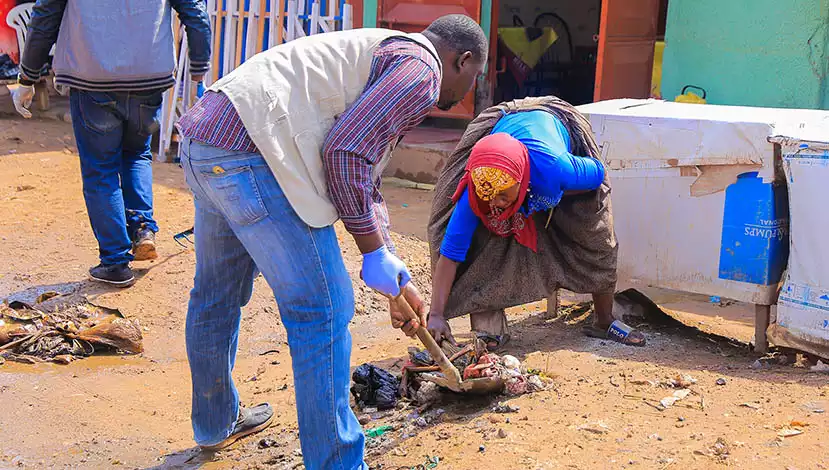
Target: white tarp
{"type": "Point", "coordinates": [803, 307]}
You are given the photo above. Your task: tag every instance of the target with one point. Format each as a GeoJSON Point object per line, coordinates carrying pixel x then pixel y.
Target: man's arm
{"type": "Point", "coordinates": [196, 21]}
{"type": "Point", "coordinates": [394, 103]}
{"type": "Point", "coordinates": [42, 35]}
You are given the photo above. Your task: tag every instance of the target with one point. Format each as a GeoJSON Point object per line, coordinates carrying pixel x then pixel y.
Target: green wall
{"type": "Point", "coordinates": [749, 52]}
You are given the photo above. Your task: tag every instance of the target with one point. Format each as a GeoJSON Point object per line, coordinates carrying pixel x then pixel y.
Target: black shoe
{"type": "Point", "coordinates": [250, 421]}
{"type": "Point", "coordinates": [143, 246]}
{"type": "Point", "coordinates": [115, 274]}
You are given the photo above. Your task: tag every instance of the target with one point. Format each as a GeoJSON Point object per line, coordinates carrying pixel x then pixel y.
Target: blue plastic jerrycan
{"type": "Point", "coordinates": [755, 233]}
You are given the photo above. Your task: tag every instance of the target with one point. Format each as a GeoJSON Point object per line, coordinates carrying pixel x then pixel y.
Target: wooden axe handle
{"type": "Point", "coordinates": [448, 369]}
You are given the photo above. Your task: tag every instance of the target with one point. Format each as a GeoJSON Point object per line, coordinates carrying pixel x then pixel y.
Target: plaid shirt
{"type": "Point", "coordinates": [403, 86]}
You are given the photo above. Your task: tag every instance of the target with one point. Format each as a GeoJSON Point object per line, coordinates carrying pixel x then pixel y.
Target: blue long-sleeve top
{"type": "Point", "coordinates": [553, 170]}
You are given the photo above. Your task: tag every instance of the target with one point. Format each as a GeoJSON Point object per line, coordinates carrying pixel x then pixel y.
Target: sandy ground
{"type": "Point", "coordinates": [117, 411]}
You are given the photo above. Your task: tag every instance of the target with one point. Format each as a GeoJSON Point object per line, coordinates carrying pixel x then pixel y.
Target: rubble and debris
{"type": "Point", "coordinates": [379, 431]}
{"type": "Point", "coordinates": [427, 394]}
{"type": "Point", "coordinates": [789, 432]}
{"type": "Point", "coordinates": [820, 367]}
{"type": "Point", "coordinates": [32, 335]}
{"type": "Point", "coordinates": [475, 362]}
{"type": "Point", "coordinates": [720, 449]}
{"type": "Point", "coordinates": [595, 428]}
{"type": "Point", "coordinates": [502, 408]}
{"type": "Point", "coordinates": [8, 69]}
{"type": "Point", "coordinates": [683, 381]}
{"type": "Point", "coordinates": [375, 387]}
{"type": "Point", "coordinates": [815, 407]}
{"type": "Point", "coordinates": [678, 395]}
{"type": "Point", "coordinates": [267, 442]}
{"type": "Point", "coordinates": [721, 381]}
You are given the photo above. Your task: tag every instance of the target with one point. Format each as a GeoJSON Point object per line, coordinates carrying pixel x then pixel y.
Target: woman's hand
{"type": "Point", "coordinates": [439, 328]}
{"type": "Point", "coordinates": [400, 320]}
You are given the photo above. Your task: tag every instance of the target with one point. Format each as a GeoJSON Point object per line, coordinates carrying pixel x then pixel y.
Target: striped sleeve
{"type": "Point", "coordinates": [405, 89]}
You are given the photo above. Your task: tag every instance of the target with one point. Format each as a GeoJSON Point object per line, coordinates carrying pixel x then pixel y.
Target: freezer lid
{"type": "Point", "coordinates": [652, 134]}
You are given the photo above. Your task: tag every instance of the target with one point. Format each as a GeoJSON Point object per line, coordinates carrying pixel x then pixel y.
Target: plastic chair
{"type": "Point", "coordinates": [18, 19]}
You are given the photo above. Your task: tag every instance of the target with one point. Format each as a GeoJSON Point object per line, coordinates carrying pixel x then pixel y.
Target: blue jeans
{"type": "Point", "coordinates": [113, 133]}
{"type": "Point", "coordinates": [245, 224]}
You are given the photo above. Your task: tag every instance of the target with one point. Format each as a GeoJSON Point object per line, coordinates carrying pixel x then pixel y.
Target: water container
{"type": "Point", "coordinates": [755, 242]}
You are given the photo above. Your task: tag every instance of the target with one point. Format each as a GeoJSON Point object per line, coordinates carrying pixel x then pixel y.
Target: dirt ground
{"type": "Point", "coordinates": [115, 411]}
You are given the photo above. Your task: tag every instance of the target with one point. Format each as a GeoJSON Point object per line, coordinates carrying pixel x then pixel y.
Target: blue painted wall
{"type": "Point", "coordinates": [749, 52]}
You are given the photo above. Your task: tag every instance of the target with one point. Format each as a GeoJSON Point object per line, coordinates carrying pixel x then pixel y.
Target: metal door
{"type": "Point", "coordinates": [626, 41]}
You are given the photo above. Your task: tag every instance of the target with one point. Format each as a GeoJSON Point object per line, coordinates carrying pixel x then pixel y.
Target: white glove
{"type": "Point", "coordinates": [22, 98]}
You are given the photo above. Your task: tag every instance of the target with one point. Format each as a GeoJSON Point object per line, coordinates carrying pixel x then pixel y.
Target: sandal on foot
{"type": "Point", "coordinates": [499, 341]}
{"type": "Point", "coordinates": [617, 331]}
{"type": "Point", "coordinates": [250, 421]}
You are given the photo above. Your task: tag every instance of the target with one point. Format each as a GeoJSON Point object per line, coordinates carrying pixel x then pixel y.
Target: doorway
{"type": "Point", "coordinates": [579, 50]}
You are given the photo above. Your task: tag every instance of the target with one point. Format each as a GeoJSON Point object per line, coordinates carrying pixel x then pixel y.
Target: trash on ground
{"type": "Point", "coordinates": [721, 381]}
{"type": "Point", "coordinates": [267, 442]}
{"type": "Point", "coordinates": [820, 367]}
{"type": "Point", "coordinates": [32, 335]}
{"type": "Point", "coordinates": [427, 394]}
{"type": "Point", "coordinates": [789, 432]}
{"type": "Point", "coordinates": [595, 428]}
{"type": "Point", "coordinates": [720, 449]}
{"type": "Point", "coordinates": [683, 381]}
{"type": "Point", "coordinates": [678, 395]}
{"type": "Point", "coordinates": [505, 408]}
{"type": "Point", "coordinates": [379, 431]}
{"type": "Point", "coordinates": [474, 362]}
{"type": "Point", "coordinates": [815, 407]}
{"type": "Point", "coordinates": [375, 387]}
{"type": "Point", "coordinates": [753, 406]}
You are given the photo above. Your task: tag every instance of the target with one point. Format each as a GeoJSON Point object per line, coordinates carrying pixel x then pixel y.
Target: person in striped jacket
{"type": "Point", "coordinates": [117, 58]}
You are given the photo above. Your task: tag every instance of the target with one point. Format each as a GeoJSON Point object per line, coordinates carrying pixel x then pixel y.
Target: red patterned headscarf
{"type": "Point", "coordinates": [496, 160]}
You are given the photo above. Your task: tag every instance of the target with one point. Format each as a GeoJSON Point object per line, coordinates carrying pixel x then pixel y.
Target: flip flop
{"type": "Point", "coordinates": [499, 340]}
{"type": "Point", "coordinates": [617, 331]}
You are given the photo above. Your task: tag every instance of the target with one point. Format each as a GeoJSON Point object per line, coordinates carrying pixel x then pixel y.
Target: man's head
{"type": "Point", "coordinates": [463, 48]}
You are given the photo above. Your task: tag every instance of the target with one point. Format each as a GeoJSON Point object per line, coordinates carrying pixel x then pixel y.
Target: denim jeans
{"type": "Point", "coordinates": [245, 224]}
{"type": "Point", "coordinates": [113, 132]}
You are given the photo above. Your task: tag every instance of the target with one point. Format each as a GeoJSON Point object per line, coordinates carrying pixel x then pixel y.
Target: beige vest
{"type": "Point", "coordinates": [289, 97]}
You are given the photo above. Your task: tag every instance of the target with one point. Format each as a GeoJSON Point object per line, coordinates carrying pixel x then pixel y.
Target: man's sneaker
{"type": "Point", "coordinates": [250, 421]}
{"type": "Point", "coordinates": [115, 274]}
{"type": "Point", "coordinates": [143, 247]}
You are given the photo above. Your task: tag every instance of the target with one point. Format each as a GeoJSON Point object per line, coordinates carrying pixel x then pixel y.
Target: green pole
{"type": "Point", "coordinates": [486, 16]}
{"type": "Point", "coordinates": [369, 13]}
{"type": "Point", "coordinates": [486, 19]}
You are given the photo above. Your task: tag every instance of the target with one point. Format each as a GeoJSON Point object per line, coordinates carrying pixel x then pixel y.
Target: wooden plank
{"type": "Point", "coordinates": [762, 317]}
{"type": "Point", "coordinates": [240, 28]}
{"type": "Point", "coordinates": [280, 28]}
{"type": "Point", "coordinates": [217, 26]}
{"type": "Point", "coordinates": [260, 38]}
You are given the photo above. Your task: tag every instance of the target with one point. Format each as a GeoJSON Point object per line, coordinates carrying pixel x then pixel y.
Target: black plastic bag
{"type": "Point", "coordinates": [8, 69]}
{"type": "Point", "coordinates": [375, 388]}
